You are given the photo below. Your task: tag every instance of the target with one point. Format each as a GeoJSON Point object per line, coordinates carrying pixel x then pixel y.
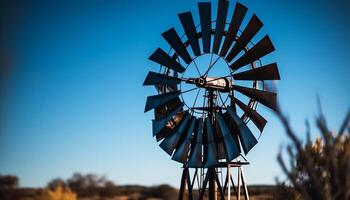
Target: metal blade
{"type": "Point", "coordinates": [266, 72]}
{"type": "Point", "coordinates": [160, 79]}
{"type": "Point", "coordinates": [254, 25]}
{"type": "Point", "coordinates": [170, 126]}
{"type": "Point", "coordinates": [183, 148]}
{"type": "Point", "coordinates": [220, 24]}
{"type": "Point", "coordinates": [232, 103]}
{"type": "Point", "coordinates": [232, 149]}
{"type": "Point", "coordinates": [261, 49]}
{"type": "Point", "coordinates": [268, 99]}
{"type": "Point", "coordinates": [220, 145]}
{"type": "Point", "coordinates": [257, 119]}
{"type": "Point", "coordinates": [161, 57]}
{"type": "Point", "coordinates": [190, 30]}
{"type": "Point", "coordinates": [175, 42]}
{"type": "Point", "coordinates": [246, 137]}
{"type": "Point", "coordinates": [211, 159]}
{"type": "Point", "coordinates": [159, 124]}
{"type": "Point", "coordinates": [158, 100]}
{"type": "Point", "coordinates": [236, 21]}
{"type": "Point", "coordinates": [232, 128]}
{"type": "Point", "coordinates": [205, 17]}
{"type": "Point", "coordinates": [163, 110]}
{"type": "Point", "coordinates": [170, 142]}
{"type": "Point", "coordinates": [195, 159]}
{"type": "Point", "coordinates": [220, 150]}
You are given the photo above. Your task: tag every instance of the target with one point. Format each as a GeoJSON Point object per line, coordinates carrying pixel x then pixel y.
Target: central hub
{"type": "Point", "coordinates": [208, 73]}
{"type": "Point", "coordinates": [211, 83]}
{"type": "Point", "coordinates": [201, 82]}
{"type": "Point", "coordinates": [217, 83]}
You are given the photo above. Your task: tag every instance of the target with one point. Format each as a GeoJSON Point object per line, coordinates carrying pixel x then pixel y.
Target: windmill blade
{"type": "Point", "coordinates": [232, 149]}
{"type": "Point", "coordinates": [220, 145]}
{"type": "Point", "coordinates": [163, 110]}
{"type": "Point", "coordinates": [220, 24]}
{"type": "Point", "coordinates": [190, 31]}
{"type": "Point", "coordinates": [232, 128]}
{"type": "Point", "coordinates": [268, 99]}
{"type": "Point", "coordinates": [254, 25]}
{"type": "Point", "coordinates": [246, 137]}
{"type": "Point", "coordinates": [205, 17]}
{"type": "Point", "coordinates": [236, 21]}
{"type": "Point", "coordinates": [158, 100]}
{"type": "Point", "coordinates": [166, 88]}
{"type": "Point", "coordinates": [183, 148]}
{"type": "Point", "coordinates": [266, 72]}
{"type": "Point", "coordinates": [220, 150]}
{"type": "Point", "coordinates": [195, 159]}
{"type": "Point", "coordinates": [170, 142]}
{"type": "Point", "coordinates": [160, 79]}
{"type": "Point", "coordinates": [159, 124]}
{"type": "Point", "coordinates": [170, 126]}
{"type": "Point", "coordinates": [261, 49]}
{"type": "Point", "coordinates": [175, 42]}
{"type": "Point", "coordinates": [257, 119]}
{"type": "Point", "coordinates": [161, 57]}
{"type": "Point", "coordinates": [211, 158]}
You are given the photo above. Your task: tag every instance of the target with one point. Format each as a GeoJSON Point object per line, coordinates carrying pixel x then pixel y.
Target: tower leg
{"type": "Point", "coordinates": [246, 195]}
{"type": "Point", "coordinates": [185, 180]}
{"type": "Point", "coordinates": [228, 181]}
{"type": "Point", "coordinates": [233, 186]}
{"type": "Point", "coordinates": [218, 187]}
{"type": "Point", "coordinates": [212, 185]}
{"type": "Point", "coordinates": [239, 184]}
{"type": "Point", "coordinates": [183, 184]}
{"type": "Point", "coordinates": [204, 186]}
{"type": "Point", "coordinates": [189, 184]}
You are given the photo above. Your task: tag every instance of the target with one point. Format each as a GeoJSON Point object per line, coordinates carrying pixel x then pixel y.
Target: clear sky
{"type": "Point", "coordinates": [73, 100]}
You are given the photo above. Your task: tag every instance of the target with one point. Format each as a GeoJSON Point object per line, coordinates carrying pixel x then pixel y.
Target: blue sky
{"type": "Point", "coordinates": [74, 100]}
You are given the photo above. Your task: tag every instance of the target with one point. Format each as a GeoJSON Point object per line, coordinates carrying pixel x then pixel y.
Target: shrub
{"type": "Point", "coordinates": [59, 193]}
{"type": "Point", "coordinates": [320, 169]}
{"type": "Point", "coordinates": [8, 182]}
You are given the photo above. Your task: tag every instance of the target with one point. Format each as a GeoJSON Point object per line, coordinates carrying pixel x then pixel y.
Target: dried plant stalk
{"type": "Point", "coordinates": [320, 169]}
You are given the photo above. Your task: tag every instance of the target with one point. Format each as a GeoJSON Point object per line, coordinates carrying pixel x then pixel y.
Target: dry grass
{"type": "Point", "coordinates": [320, 169]}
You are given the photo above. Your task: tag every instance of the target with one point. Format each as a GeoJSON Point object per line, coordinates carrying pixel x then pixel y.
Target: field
{"type": "Point", "coordinates": [131, 192]}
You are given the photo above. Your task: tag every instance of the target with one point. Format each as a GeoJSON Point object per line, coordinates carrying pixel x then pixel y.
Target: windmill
{"type": "Point", "coordinates": [209, 85]}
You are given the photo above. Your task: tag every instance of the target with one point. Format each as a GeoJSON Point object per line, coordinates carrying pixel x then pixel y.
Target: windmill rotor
{"type": "Point", "coordinates": [209, 85]}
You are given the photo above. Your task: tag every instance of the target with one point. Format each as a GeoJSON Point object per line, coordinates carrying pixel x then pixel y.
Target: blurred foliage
{"type": "Point", "coordinates": [161, 192]}
{"type": "Point", "coordinates": [8, 185]}
{"type": "Point", "coordinates": [58, 193]}
{"type": "Point", "coordinates": [94, 186]}
{"type": "Point", "coordinates": [8, 182]}
{"type": "Point", "coordinates": [88, 186]}
{"type": "Point", "coordinates": [319, 169]}
{"type": "Point", "coordinates": [57, 182]}
{"type": "Point", "coordinates": [285, 192]}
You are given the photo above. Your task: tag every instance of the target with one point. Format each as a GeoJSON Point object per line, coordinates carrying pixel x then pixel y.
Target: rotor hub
{"type": "Point", "coordinates": [201, 82]}
{"type": "Point", "coordinates": [212, 83]}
